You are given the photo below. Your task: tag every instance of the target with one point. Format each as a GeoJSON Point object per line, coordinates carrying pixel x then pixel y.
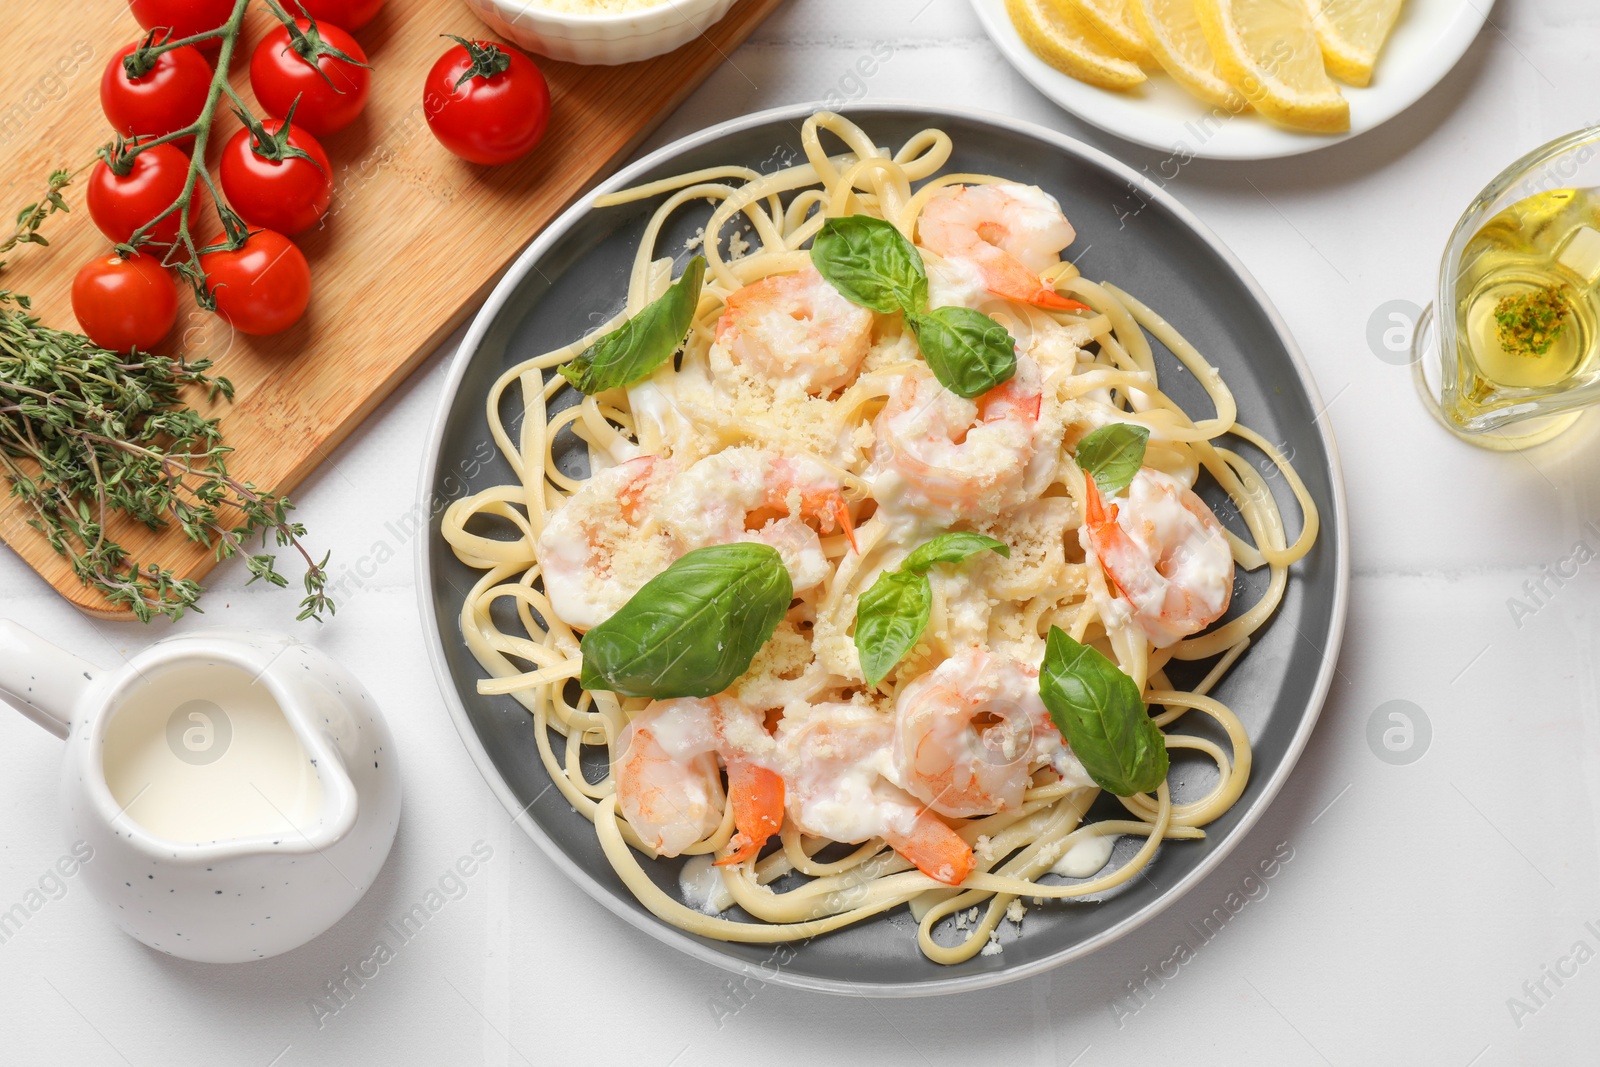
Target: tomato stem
{"type": "Point", "coordinates": [487, 60]}
{"type": "Point", "coordinates": [124, 152]}
{"type": "Point", "coordinates": [308, 45]}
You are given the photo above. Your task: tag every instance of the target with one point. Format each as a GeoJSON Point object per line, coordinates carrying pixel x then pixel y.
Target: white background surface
{"type": "Point", "coordinates": [1419, 899]}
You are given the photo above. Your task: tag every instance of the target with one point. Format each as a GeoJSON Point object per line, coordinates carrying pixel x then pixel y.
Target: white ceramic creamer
{"type": "Point", "coordinates": [239, 789]}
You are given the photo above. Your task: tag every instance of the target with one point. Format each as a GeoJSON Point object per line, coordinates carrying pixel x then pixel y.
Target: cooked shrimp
{"type": "Point", "coordinates": [754, 789]}
{"type": "Point", "coordinates": [969, 734]}
{"type": "Point", "coordinates": [1010, 233]}
{"type": "Point", "coordinates": [834, 757]}
{"type": "Point", "coordinates": [670, 789]}
{"type": "Point", "coordinates": [952, 459]}
{"type": "Point", "coordinates": [1164, 553]}
{"type": "Point", "coordinates": [668, 785]}
{"type": "Point", "coordinates": [593, 554]}
{"type": "Point", "coordinates": [796, 328]}
{"type": "Point", "coordinates": [744, 494]}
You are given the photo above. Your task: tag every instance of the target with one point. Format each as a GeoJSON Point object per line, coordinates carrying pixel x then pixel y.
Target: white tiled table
{"type": "Point", "coordinates": [1419, 900]}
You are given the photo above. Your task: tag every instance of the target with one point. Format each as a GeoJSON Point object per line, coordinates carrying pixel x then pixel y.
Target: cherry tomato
{"type": "Point", "coordinates": [289, 194]}
{"type": "Point", "coordinates": [169, 97]}
{"type": "Point", "coordinates": [120, 205]}
{"type": "Point", "coordinates": [261, 287]}
{"type": "Point", "coordinates": [184, 18]}
{"type": "Point", "coordinates": [351, 14]}
{"type": "Point", "coordinates": [498, 113]}
{"type": "Point", "coordinates": [278, 75]}
{"type": "Point", "coordinates": [123, 304]}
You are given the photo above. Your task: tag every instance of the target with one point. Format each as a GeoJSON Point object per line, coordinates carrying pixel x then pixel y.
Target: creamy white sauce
{"type": "Point", "coordinates": [702, 886]}
{"type": "Point", "coordinates": [955, 282]}
{"type": "Point", "coordinates": [203, 753]}
{"type": "Point", "coordinates": [1086, 857]}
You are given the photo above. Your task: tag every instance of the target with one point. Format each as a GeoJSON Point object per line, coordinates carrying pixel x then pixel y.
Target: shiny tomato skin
{"type": "Point", "coordinates": [125, 303]}
{"type": "Point", "coordinates": [278, 75]}
{"type": "Point", "coordinates": [120, 205]}
{"type": "Point", "coordinates": [351, 14]}
{"type": "Point", "coordinates": [184, 18]}
{"type": "Point", "coordinates": [490, 120]}
{"type": "Point", "coordinates": [263, 286]}
{"type": "Point", "coordinates": [170, 97]}
{"type": "Point", "coordinates": [288, 195]}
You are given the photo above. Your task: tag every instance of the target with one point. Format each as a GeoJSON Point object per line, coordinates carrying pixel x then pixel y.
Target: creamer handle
{"type": "Point", "coordinates": [40, 680]}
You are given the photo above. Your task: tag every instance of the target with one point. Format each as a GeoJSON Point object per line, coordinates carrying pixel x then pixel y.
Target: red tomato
{"type": "Point", "coordinates": [498, 113]}
{"type": "Point", "coordinates": [184, 18]}
{"type": "Point", "coordinates": [120, 205]}
{"type": "Point", "coordinates": [123, 304]}
{"type": "Point", "coordinates": [289, 194]}
{"type": "Point", "coordinates": [278, 75]}
{"type": "Point", "coordinates": [351, 14]}
{"type": "Point", "coordinates": [169, 97]}
{"type": "Point", "coordinates": [261, 287]}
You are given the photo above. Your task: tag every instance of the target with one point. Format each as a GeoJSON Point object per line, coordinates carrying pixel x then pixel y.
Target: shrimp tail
{"type": "Point", "coordinates": [757, 798]}
{"type": "Point", "coordinates": [935, 849]}
{"type": "Point", "coordinates": [1095, 511]}
{"type": "Point", "coordinates": [1004, 276]}
{"type": "Point", "coordinates": [1108, 538]}
{"type": "Point", "coordinates": [841, 515]}
{"type": "Point", "coordinates": [1047, 297]}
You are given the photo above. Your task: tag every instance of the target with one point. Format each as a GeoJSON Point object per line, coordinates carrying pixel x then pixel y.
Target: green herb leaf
{"type": "Point", "coordinates": [692, 629]}
{"type": "Point", "coordinates": [1112, 455]}
{"type": "Point", "coordinates": [644, 342]}
{"type": "Point", "coordinates": [1099, 711]}
{"type": "Point", "coordinates": [1529, 323]}
{"type": "Point", "coordinates": [952, 548]}
{"type": "Point", "coordinates": [967, 351]}
{"type": "Point", "coordinates": [890, 617]}
{"type": "Point", "coordinates": [871, 263]}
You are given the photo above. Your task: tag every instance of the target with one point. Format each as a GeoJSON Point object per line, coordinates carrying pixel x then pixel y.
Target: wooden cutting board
{"type": "Point", "coordinates": [414, 239]}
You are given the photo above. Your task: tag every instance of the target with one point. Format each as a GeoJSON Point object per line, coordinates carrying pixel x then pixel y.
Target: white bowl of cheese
{"type": "Point", "coordinates": [604, 32]}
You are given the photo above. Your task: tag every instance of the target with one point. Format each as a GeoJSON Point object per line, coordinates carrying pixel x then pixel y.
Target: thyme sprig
{"type": "Point", "coordinates": [31, 217]}
{"type": "Point", "coordinates": [87, 434]}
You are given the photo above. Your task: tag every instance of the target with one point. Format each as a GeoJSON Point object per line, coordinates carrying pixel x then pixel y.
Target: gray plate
{"type": "Point", "coordinates": [575, 274]}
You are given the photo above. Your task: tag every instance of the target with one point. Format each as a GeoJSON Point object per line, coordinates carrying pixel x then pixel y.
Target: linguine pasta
{"type": "Point", "coordinates": [831, 412]}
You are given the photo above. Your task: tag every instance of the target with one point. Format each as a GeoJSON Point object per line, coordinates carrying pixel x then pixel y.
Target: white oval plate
{"type": "Point", "coordinates": [1428, 40]}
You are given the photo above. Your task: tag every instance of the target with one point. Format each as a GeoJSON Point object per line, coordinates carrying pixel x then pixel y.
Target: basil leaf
{"type": "Point", "coordinates": [644, 342]}
{"type": "Point", "coordinates": [951, 548]}
{"type": "Point", "coordinates": [693, 629]}
{"type": "Point", "coordinates": [1112, 455]}
{"type": "Point", "coordinates": [967, 351]}
{"type": "Point", "coordinates": [871, 263]}
{"type": "Point", "coordinates": [1099, 711]}
{"type": "Point", "coordinates": [890, 617]}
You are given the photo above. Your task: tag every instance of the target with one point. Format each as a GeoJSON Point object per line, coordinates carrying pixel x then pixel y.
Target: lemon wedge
{"type": "Point", "coordinates": [1058, 33]}
{"type": "Point", "coordinates": [1268, 50]}
{"type": "Point", "coordinates": [1351, 33]}
{"type": "Point", "coordinates": [1114, 21]}
{"type": "Point", "coordinates": [1171, 30]}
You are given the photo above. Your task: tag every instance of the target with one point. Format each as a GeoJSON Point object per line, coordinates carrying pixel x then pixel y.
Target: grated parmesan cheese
{"type": "Point", "coordinates": [595, 7]}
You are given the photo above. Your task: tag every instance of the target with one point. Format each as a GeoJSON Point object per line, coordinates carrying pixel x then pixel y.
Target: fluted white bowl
{"type": "Point", "coordinates": [604, 39]}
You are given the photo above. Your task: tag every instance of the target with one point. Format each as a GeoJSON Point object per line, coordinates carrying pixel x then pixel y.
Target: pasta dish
{"type": "Point", "coordinates": [888, 541]}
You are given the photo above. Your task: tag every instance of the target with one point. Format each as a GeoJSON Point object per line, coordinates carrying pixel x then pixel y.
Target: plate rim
{"type": "Point", "coordinates": [494, 305]}
{"type": "Point", "coordinates": [1440, 59]}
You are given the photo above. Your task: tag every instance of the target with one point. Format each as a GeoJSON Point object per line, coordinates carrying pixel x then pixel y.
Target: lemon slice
{"type": "Point", "coordinates": [1351, 33]}
{"type": "Point", "coordinates": [1059, 34]}
{"type": "Point", "coordinates": [1171, 29]}
{"type": "Point", "coordinates": [1112, 19]}
{"type": "Point", "coordinates": [1268, 50]}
